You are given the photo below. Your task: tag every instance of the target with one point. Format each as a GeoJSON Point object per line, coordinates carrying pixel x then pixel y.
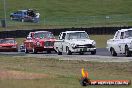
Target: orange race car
{"type": "Point", "coordinates": [8, 45]}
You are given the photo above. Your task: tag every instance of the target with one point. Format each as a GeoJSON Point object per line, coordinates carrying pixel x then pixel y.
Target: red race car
{"type": "Point", "coordinates": [8, 45]}
{"type": "Point", "coordinates": [39, 41]}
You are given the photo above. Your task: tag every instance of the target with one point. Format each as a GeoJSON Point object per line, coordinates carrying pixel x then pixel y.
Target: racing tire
{"type": "Point", "coordinates": [93, 52]}
{"type": "Point", "coordinates": [59, 53]}
{"type": "Point", "coordinates": [22, 20]}
{"type": "Point", "coordinates": [34, 51]}
{"type": "Point", "coordinates": [127, 52]}
{"type": "Point", "coordinates": [113, 52]}
{"type": "Point", "coordinates": [26, 51]}
{"type": "Point", "coordinates": [68, 52]}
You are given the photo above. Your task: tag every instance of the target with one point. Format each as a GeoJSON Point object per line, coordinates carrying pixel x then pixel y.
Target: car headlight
{"type": "Point", "coordinates": [73, 44]}
{"type": "Point", "coordinates": [38, 43]}
{"type": "Point", "coordinates": [94, 43]}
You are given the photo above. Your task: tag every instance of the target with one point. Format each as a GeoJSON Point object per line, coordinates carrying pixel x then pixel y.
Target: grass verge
{"type": "Point", "coordinates": [60, 74]}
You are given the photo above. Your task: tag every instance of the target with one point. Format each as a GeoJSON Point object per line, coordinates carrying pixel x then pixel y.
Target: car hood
{"type": "Point", "coordinates": [80, 41]}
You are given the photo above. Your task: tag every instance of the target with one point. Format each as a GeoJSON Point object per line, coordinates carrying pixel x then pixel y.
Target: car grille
{"type": "Point", "coordinates": [86, 45]}
{"type": "Point", "coordinates": [49, 43]}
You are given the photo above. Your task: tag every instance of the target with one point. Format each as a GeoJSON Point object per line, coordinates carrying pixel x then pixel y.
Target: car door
{"type": "Point", "coordinates": [122, 42]}
{"type": "Point", "coordinates": [116, 42]}
{"type": "Point", "coordinates": [19, 15]}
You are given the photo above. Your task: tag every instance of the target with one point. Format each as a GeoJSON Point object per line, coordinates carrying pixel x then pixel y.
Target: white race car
{"type": "Point", "coordinates": [75, 42]}
{"type": "Point", "coordinates": [121, 43]}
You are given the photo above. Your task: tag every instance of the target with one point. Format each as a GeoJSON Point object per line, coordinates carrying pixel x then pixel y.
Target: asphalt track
{"type": "Point", "coordinates": [102, 55]}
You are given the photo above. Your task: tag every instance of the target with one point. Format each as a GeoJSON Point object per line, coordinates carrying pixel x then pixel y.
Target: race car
{"type": "Point", "coordinates": [39, 41]}
{"type": "Point", "coordinates": [8, 45]}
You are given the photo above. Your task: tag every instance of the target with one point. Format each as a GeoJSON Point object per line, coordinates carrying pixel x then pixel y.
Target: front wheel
{"type": "Point", "coordinates": [34, 51]}
{"type": "Point", "coordinates": [58, 52]}
{"type": "Point", "coordinates": [26, 51]}
{"type": "Point", "coordinates": [68, 51]}
{"type": "Point", "coordinates": [113, 52]}
{"type": "Point", "coordinates": [127, 52]}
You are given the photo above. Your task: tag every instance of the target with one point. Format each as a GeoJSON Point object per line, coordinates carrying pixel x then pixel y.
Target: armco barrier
{"type": "Point", "coordinates": [94, 30]}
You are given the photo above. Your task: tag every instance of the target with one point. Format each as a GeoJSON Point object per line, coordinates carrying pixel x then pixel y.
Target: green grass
{"type": "Point", "coordinates": [101, 40]}
{"type": "Point", "coordinates": [72, 13]}
{"type": "Point", "coordinates": [61, 74]}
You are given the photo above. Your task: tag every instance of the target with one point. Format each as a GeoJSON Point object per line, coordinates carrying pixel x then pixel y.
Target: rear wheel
{"type": "Point", "coordinates": [58, 52]}
{"type": "Point", "coordinates": [93, 52]}
{"type": "Point", "coordinates": [127, 52]}
{"type": "Point", "coordinates": [113, 52]}
{"type": "Point", "coordinates": [68, 52]}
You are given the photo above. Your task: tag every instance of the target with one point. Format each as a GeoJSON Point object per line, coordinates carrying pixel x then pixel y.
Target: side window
{"type": "Point", "coordinates": [122, 35]}
{"type": "Point", "coordinates": [63, 35]}
{"type": "Point", "coordinates": [19, 12]}
{"type": "Point", "coordinates": [25, 13]}
{"type": "Point", "coordinates": [117, 35]}
{"type": "Point", "coordinates": [60, 36]}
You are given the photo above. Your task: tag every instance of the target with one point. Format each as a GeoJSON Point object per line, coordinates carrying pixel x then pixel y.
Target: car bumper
{"type": "Point", "coordinates": [45, 48]}
{"type": "Point", "coordinates": [83, 49]}
{"type": "Point", "coordinates": [6, 49]}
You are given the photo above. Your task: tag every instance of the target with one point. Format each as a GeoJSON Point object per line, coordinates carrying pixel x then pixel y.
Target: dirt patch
{"type": "Point", "coordinates": [20, 75]}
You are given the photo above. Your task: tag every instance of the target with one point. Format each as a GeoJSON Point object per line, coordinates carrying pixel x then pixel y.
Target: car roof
{"type": "Point", "coordinates": [73, 31]}
{"type": "Point", "coordinates": [123, 30]}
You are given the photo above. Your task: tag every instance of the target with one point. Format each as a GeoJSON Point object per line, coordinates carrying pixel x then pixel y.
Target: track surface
{"type": "Point", "coordinates": [102, 56]}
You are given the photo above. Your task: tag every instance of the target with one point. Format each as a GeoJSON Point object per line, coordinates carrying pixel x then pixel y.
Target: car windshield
{"type": "Point", "coordinates": [42, 35]}
{"type": "Point", "coordinates": [128, 34]}
{"type": "Point", "coordinates": [5, 41]}
{"type": "Point", "coordinates": [77, 35]}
